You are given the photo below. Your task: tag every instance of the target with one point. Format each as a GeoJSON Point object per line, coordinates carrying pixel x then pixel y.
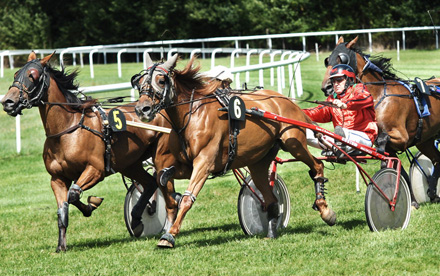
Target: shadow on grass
{"type": "Point", "coordinates": [215, 235]}
{"type": "Point", "coordinates": [90, 244]}
{"type": "Point", "coordinates": [351, 224]}
{"type": "Point", "coordinates": [220, 233]}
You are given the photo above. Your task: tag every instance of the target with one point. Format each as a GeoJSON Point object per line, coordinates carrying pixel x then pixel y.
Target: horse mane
{"type": "Point", "coordinates": [383, 63]}
{"type": "Point", "coordinates": [190, 80]}
{"type": "Point", "coordinates": [66, 83]}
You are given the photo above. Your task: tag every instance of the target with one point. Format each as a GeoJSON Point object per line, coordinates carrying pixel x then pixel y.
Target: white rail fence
{"type": "Point", "coordinates": [120, 49]}
{"type": "Point", "coordinates": [289, 59]}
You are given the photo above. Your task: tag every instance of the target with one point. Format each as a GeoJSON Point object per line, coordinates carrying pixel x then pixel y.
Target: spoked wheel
{"type": "Point", "coordinates": [419, 182]}
{"type": "Point", "coordinates": [154, 215]}
{"type": "Point", "coordinates": [253, 219]}
{"type": "Point", "coordinates": [377, 208]}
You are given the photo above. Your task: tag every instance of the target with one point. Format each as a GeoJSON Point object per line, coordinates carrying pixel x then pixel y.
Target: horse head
{"type": "Point", "coordinates": [30, 84]}
{"type": "Point", "coordinates": [156, 88]}
{"type": "Point", "coordinates": [342, 54]}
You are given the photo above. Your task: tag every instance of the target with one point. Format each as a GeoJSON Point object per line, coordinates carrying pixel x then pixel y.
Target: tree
{"type": "Point", "coordinates": [23, 25]}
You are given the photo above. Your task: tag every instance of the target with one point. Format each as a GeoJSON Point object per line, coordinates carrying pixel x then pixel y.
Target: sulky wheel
{"type": "Point", "coordinates": [253, 219]}
{"type": "Point", "coordinates": [377, 209]}
{"type": "Point", "coordinates": [153, 216]}
{"type": "Point", "coordinates": [419, 181]}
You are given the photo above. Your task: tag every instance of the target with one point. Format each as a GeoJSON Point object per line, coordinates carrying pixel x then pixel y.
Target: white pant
{"type": "Point", "coordinates": [350, 134]}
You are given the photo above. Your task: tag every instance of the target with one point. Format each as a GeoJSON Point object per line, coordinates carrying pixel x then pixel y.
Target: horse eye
{"type": "Point", "coordinates": [326, 62]}
{"type": "Point", "coordinates": [162, 82]}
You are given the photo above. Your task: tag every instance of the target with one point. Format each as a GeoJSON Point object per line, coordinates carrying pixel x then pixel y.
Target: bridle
{"type": "Point", "coordinates": [345, 56]}
{"type": "Point", "coordinates": [151, 89]}
{"type": "Point", "coordinates": [34, 88]}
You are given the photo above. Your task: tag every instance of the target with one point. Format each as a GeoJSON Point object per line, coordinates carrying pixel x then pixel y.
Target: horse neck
{"type": "Point", "coordinates": [180, 113]}
{"type": "Point", "coordinates": [376, 90]}
{"type": "Point", "coordinates": [55, 118]}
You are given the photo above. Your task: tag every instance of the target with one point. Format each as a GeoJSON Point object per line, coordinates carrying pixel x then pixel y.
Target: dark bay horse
{"type": "Point", "coordinates": [400, 126]}
{"type": "Point", "coordinates": [202, 139]}
{"type": "Point", "coordinates": [75, 150]}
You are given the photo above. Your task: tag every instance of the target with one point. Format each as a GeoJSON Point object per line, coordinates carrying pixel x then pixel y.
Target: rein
{"type": "Point", "coordinates": [385, 95]}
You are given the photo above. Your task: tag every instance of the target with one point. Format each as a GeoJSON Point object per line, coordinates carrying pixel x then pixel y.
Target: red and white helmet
{"type": "Point", "coordinates": [341, 70]}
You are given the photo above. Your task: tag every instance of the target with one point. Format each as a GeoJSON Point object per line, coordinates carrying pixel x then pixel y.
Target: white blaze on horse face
{"type": "Point", "coordinates": [158, 82]}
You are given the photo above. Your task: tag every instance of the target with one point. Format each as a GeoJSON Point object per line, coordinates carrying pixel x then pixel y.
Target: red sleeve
{"type": "Point", "coordinates": [319, 114]}
{"type": "Point", "coordinates": [360, 98]}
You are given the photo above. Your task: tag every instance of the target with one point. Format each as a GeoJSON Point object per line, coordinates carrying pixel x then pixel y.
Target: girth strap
{"type": "Point", "coordinates": [224, 96]}
{"type": "Point", "coordinates": [106, 137]}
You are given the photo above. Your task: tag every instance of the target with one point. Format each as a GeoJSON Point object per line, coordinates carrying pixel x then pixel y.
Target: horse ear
{"type": "Point", "coordinates": [340, 40]}
{"type": "Point", "coordinates": [148, 61]}
{"type": "Point", "coordinates": [171, 63]}
{"type": "Point", "coordinates": [46, 59]}
{"type": "Point", "coordinates": [351, 43]}
{"type": "Point", "coordinates": [32, 56]}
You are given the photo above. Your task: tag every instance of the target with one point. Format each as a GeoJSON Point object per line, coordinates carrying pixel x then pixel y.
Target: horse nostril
{"type": "Point", "coordinates": [146, 109]}
{"type": "Point", "coordinates": [8, 104]}
{"type": "Point", "coordinates": [142, 110]}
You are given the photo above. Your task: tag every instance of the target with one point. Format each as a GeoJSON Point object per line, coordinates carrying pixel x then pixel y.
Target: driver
{"type": "Point", "coordinates": [354, 117]}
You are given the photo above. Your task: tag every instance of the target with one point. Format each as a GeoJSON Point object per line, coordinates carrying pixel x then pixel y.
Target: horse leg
{"type": "Point", "coordinates": [59, 188]}
{"type": "Point", "coordinates": [168, 168]}
{"type": "Point", "coordinates": [259, 174]}
{"type": "Point", "coordinates": [405, 175]}
{"type": "Point", "coordinates": [429, 149]}
{"type": "Point", "coordinates": [87, 180]}
{"type": "Point", "coordinates": [298, 149]}
{"type": "Point", "coordinates": [198, 177]}
{"type": "Point", "coordinates": [172, 199]}
{"type": "Point", "coordinates": [148, 182]}
{"type": "Point", "coordinates": [384, 142]}
{"type": "Point", "coordinates": [381, 142]}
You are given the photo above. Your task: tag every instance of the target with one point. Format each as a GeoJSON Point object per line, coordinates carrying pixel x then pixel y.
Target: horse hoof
{"type": "Point", "coordinates": [137, 227]}
{"type": "Point", "coordinates": [329, 216]}
{"type": "Point", "coordinates": [272, 229]}
{"type": "Point", "coordinates": [95, 201]}
{"type": "Point", "coordinates": [60, 249]}
{"type": "Point", "coordinates": [415, 205]}
{"type": "Point", "coordinates": [436, 199]}
{"type": "Point", "coordinates": [166, 241]}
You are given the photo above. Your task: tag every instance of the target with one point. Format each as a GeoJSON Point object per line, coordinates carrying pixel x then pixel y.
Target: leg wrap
{"type": "Point", "coordinates": [273, 213]}
{"type": "Point", "coordinates": [167, 173]}
{"type": "Point", "coordinates": [63, 215]}
{"type": "Point", "coordinates": [141, 204]}
{"type": "Point", "coordinates": [319, 188]}
{"type": "Point", "coordinates": [74, 193]}
{"type": "Point", "coordinates": [432, 180]}
{"type": "Point", "coordinates": [177, 197]}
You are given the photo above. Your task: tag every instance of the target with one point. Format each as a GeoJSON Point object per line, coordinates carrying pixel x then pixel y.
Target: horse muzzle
{"type": "Point", "coordinates": [327, 88]}
{"type": "Point", "coordinates": [11, 108]}
{"type": "Point", "coordinates": [144, 112]}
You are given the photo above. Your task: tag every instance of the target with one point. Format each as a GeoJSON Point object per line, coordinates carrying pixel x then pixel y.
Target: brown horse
{"type": "Point", "coordinates": [75, 147]}
{"type": "Point", "coordinates": [202, 136]}
{"type": "Point", "coordinates": [399, 124]}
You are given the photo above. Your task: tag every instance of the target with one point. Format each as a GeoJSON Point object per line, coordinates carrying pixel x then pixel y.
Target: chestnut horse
{"type": "Point", "coordinates": [202, 135]}
{"type": "Point", "coordinates": [400, 126]}
{"type": "Point", "coordinates": [75, 149]}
